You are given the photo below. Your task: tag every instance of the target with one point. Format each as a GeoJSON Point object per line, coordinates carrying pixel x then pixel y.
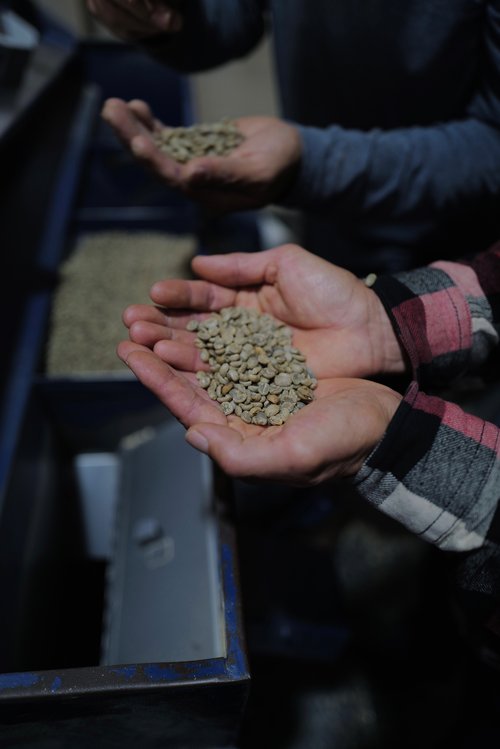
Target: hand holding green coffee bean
{"type": "Point", "coordinates": [257, 169]}
{"type": "Point", "coordinates": [336, 322]}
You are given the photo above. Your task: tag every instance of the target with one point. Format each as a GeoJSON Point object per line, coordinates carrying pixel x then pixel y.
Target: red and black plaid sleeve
{"type": "Point", "coordinates": [437, 469]}
{"type": "Point", "coordinates": [447, 316]}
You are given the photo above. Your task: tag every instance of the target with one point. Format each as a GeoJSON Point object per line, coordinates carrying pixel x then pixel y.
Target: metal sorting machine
{"type": "Point", "coordinates": [120, 620]}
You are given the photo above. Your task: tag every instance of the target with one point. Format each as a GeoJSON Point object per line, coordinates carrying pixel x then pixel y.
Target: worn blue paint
{"type": "Point", "coordinates": [210, 669]}
{"type": "Point", "coordinates": [207, 669]}
{"type": "Point", "coordinates": [127, 671]}
{"type": "Point", "coordinates": [236, 662]}
{"type": "Point", "coordinates": [56, 684]}
{"type": "Point", "coordinates": [14, 681]}
{"type": "Point", "coordinates": [161, 673]}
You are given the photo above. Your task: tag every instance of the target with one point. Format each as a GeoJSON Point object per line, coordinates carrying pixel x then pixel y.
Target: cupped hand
{"type": "Point", "coordinates": [258, 172]}
{"type": "Point", "coordinates": [338, 323]}
{"type": "Point", "coordinates": [331, 437]}
{"type": "Point", "coordinates": [132, 20]}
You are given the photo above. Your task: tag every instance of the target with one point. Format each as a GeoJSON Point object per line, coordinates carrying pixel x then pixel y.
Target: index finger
{"type": "Point", "coordinates": [117, 113]}
{"type": "Point", "coordinates": [192, 295]}
{"type": "Point", "coordinates": [188, 402]}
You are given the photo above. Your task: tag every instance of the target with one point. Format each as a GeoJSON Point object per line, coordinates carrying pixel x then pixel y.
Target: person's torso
{"type": "Point", "coordinates": [376, 63]}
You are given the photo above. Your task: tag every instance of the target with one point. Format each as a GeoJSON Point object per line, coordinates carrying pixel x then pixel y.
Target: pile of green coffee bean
{"type": "Point", "coordinates": [185, 143]}
{"type": "Point", "coordinates": [255, 371]}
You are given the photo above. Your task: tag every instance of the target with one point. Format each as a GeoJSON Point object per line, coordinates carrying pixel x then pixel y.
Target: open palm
{"type": "Point", "coordinates": [330, 437]}
{"type": "Point", "coordinates": [337, 322]}
{"type": "Point", "coordinates": [256, 173]}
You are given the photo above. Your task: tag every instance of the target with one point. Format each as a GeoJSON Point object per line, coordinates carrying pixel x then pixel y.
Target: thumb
{"type": "Point", "coordinates": [241, 268]}
{"type": "Point", "coordinates": [221, 443]}
{"type": "Point", "coordinates": [250, 457]}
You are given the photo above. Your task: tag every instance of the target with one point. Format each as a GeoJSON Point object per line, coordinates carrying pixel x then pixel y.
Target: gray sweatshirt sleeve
{"type": "Point", "coordinates": [405, 177]}
{"type": "Point", "coordinates": [214, 32]}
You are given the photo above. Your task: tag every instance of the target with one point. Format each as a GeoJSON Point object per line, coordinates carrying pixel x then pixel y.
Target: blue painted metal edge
{"type": "Point", "coordinates": [34, 686]}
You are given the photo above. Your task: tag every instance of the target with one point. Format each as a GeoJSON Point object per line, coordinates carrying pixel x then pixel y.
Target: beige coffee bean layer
{"type": "Point", "coordinates": [255, 371]}
{"type": "Point", "coordinates": [185, 143]}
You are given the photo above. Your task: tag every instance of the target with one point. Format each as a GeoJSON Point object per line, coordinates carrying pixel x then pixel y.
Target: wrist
{"type": "Point", "coordinates": [390, 355]}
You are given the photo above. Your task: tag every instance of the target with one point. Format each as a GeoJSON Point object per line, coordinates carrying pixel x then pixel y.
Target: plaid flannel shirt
{"type": "Point", "coordinates": [437, 469]}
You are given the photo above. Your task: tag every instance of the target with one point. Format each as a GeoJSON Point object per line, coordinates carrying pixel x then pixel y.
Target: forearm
{"type": "Point", "coordinates": [437, 471]}
{"type": "Point", "coordinates": [403, 179]}
{"type": "Point", "coordinates": [213, 33]}
{"type": "Point", "coordinates": [446, 316]}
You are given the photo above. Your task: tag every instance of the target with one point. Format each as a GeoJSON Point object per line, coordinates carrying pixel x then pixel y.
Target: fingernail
{"type": "Point", "coordinates": [197, 440]}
